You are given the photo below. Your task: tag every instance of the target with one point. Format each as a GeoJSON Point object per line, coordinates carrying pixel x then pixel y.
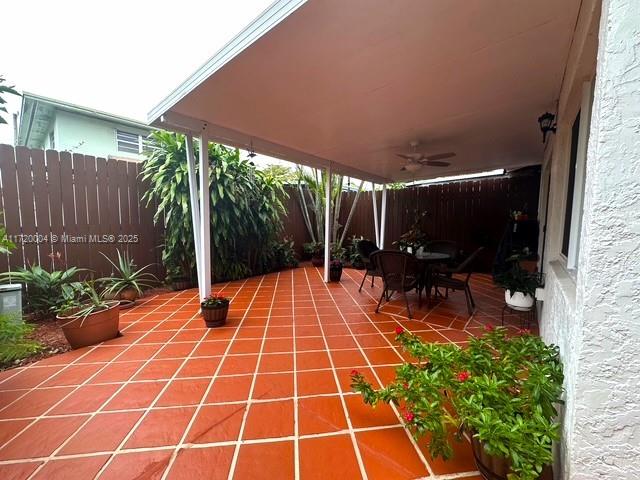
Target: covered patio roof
{"type": "Point", "coordinates": [350, 84]}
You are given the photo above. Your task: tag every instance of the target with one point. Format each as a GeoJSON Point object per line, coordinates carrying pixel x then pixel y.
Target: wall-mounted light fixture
{"type": "Point", "coordinates": [546, 124]}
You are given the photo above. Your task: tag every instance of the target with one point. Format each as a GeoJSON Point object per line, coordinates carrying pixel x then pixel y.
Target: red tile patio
{"type": "Point", "coordinates": [267, 396]}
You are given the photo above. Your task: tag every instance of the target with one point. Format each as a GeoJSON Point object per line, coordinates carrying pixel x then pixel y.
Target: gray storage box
{"type": "Point", "coordinates": [11, 300]}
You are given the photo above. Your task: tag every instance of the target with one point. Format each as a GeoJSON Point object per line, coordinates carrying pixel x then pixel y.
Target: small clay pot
{"type": "Point", "coordinates": [317, 261]}
{"type": "Point", "coordinates": [129, 294]}
{"type": "Point", "coordinates": [94, 328]}
{"type": "Point", "coordinates": [181, 283]}
{"type": "Point", "coordinates": [215, 316]}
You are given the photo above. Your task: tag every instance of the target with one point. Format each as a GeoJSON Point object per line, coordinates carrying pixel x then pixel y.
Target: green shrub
{"type": "Point", "coordinates": [502, 389]}
{"type": "Point", "coordinates": [14, 341]}
{"type": "Point", "coordinates": [246, 209]}
{"type": "Point", "coordinates": [45, 291]}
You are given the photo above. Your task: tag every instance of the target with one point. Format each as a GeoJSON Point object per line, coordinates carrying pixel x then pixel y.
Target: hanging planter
{"type": "Point", "coordinates": [214, 310]}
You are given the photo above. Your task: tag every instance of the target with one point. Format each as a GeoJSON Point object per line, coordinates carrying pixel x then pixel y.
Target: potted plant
{"type": "Point", "coordinates": [317, 254]}
{"type": "Point", "coordinates": [335, 270]}
{"type": "Point", "coordinates": [519, 285]}
{"type": "Point", "coordinates": [214, 310]}
{"type": "Point", "coordinates": [501, 391]}
{"type": "Point", "coordinates": [87, 318]}
{"type": "Point", "coordinates": [128, 282]}
{"type": "Point", "coordinates": [354, 255]}
{"type": "Point", "coordinates": [415, 237]}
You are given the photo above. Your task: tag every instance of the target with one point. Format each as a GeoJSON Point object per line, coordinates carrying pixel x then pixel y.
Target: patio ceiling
{"type": "Point", "coordinates": [352, 83]}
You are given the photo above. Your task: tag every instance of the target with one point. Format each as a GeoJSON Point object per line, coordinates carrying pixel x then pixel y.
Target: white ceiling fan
{"type": "Point", "coordinates": [415, 159]}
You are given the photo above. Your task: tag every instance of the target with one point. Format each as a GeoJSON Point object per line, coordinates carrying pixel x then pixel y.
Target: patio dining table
{"type": "Point", "coordinates": [426, 261]}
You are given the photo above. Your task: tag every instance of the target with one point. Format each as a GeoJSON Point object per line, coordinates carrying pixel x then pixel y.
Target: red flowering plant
{"type": "Point", "coordinates": [502, 390]}
{"type": "Point", "coordinates": [215, 301]}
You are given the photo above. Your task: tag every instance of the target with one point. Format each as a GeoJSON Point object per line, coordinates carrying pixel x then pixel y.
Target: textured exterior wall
{"type": "Point", "coordinates": [606, 419]}
{"type": "Point", "coordinates": [594, 314]}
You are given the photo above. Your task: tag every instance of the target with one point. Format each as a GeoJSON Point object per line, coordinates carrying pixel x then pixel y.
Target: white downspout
{"type": "Point", "coordinates": [383, 219]}
{"type": "Point", "coordinates": [375, 213]}
{"type": "Point", "coordinates": [195, 207]}
{"type": "Point", "coordinates": [327, 224]}
{"type": "Point", "coordinates": [205, 218]}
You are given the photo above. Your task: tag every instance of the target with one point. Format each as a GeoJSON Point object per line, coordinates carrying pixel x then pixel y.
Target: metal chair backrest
{"type": "Point", "coordinates": [444, 246]}
{"type": "Point", "coordinates": [366, 248]}
{"type": "Point", "coordinates": [399, 269]}
{"type": "Point", "coordinates": [467, 265]}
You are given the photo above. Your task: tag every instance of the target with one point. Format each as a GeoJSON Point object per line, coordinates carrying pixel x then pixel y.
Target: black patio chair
{"type": "Point", "coordinates": [366, 248]}
{"type": "Point", "coordinates": [400, 273]}
{"type": "Point", "coordinates": [445, 246]}
{"type": "Point", "coordinates": [444, 278]}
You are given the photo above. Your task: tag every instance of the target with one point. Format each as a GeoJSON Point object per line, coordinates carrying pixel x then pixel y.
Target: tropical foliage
{"type": "Point", "coordinates": [15, 343]}
{"type": "Point", "coordinates": [517, 279]}
{"type": "Point", "coordinates": [311, 187]}
{"type": "Point", "coordinates": [246, 209]}
{"type": "Point", "coordinates": [6, 245]}
{"type": "Point", "coordinates": [127, 276]}
{"type": "Point", "coordinates": [82, 301]}
{"type": "Point", "coordinates": [501, 389]}
{"type": "Point", "coordinates": [4, 90]}
{"type": "Point", "coordinates": [46, 291]}
{"type": "Point", "coordinates": [215, 301]}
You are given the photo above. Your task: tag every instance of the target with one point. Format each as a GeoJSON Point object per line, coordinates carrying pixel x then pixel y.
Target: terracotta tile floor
{"type": "Point", "coordinates": [267, 396]}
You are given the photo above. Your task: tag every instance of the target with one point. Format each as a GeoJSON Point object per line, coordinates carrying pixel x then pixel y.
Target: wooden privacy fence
{"type": "Point", "coordinates": [63, 210]}
{"type": "Point", "coordinates": [471, 212]}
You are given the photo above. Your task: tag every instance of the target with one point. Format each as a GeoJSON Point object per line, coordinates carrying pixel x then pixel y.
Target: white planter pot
{"type": "Point", "coordinates": [518, 300]}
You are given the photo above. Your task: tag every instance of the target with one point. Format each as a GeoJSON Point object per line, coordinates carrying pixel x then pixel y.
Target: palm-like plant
{"type": "Point", "coordinates": [83, 300]}
{"type": "Point", "coordinates": [46, 291]}
{"type": "Point", "coordinates": [127, 276]}
{"type": "Point", "coordinates": [5, 89]}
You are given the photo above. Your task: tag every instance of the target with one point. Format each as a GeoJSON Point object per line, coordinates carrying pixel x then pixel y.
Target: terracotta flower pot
{"type": "Point", "coordinates": [215, 316]}
{"type": "Point", "coordinates": [94, 328]}
{"type": "Point", "coordinates": [129, 294]}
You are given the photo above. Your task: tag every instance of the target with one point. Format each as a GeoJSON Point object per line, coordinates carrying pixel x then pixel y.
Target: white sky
{"type": "Point", "coordinates": [119, 56]}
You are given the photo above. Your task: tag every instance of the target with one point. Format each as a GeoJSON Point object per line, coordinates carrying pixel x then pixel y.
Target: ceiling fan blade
{"type": "Point", "coordinates": [436, 163]}
{"type": "Point", "coordinates": [406, 157]}
{"type": "Point", "coordinates": [440, 156]}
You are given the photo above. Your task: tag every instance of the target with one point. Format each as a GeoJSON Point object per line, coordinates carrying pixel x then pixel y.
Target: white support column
{"type": "Point", "coordinates": [383, 216]}
{"type": "Point", "coordinates": [327, 224]}
{"type": "Point", "coordinates": [375, 213]}
{"type": "Point", "coordinates": [205, 218]}
{"type": "Point", "coordinates": [195, 206]}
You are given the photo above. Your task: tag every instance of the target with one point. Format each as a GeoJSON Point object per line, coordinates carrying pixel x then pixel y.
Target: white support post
{"type": "Point", "coordinates": [383, 216]}
{"type": "Point", "coordinates": [375, 213]}
{"type": "Point", "coordinates": [327, 224]}
{"type": "Point", "coordinates": [195, 206]}
{"type": "Point", "coordinates": [205, 218]}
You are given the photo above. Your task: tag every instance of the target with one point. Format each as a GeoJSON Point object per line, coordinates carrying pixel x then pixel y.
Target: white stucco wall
{"type": "Point", "coordinates": [594, 313]}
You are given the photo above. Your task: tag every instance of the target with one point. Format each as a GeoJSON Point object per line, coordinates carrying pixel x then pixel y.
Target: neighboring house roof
{"type": "Point", "coordinates": [38, 111]}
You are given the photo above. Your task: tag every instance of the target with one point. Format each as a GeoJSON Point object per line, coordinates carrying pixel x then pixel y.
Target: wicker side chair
{"type": "Point", "coordinates": [366, 248]}
{"type": "Point", "coordinates": [445, 279]}
{"type": "Point", "coordinates": [400, 273]}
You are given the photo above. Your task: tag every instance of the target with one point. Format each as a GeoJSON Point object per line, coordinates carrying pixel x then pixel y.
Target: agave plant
{"type": "Point", "coordinates": [127, 277]}
{"type": "Point", "coordinates": [46, 291]}
{"type": "Point", "coordinates": [82, 302]}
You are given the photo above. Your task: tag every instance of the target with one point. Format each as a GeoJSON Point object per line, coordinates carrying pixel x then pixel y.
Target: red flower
{"type": "Point", "coordinates": [489, 328]}
{"type": "Point", "coordinates": [525, 331]}
{"type": "Point", "coordinates": [405, 385]}
{"type": "Point", "coordinates": [354, 373]}
{"type": "Point", "coordinates": [399, 330]}
{"type": "Point", "coordinates": [409, 416]}
{"type": "Point", "coordinates": [463, 376]}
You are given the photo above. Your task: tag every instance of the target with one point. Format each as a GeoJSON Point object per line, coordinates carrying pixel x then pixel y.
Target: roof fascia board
{"type": "Point", "coordinates": [69, 107]}
{"type": "Point", "coordinates": [271, 17]}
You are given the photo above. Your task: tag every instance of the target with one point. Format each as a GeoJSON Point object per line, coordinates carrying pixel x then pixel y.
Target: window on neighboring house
{"type": "Point", "coordinates": [575, 133]}
{"type": "Point", "coordinates": [52, 140]}
{"type": "Point", "coordinates": [130, 142]}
